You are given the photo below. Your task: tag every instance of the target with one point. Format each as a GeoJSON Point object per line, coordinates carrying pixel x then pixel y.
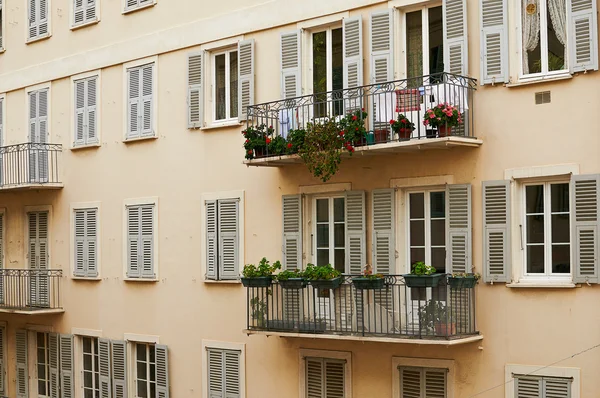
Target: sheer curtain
{"type": "Point", "coordinates": [531, 31]}
{"type": "Point", "coordinates": [558, 15]}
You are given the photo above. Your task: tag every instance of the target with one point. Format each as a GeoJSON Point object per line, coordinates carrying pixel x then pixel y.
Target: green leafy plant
{"type": "Point", "coordinates": [295, 140]}
{"type": "Point", "coordinates": [287, 274]}
{"type": "Point", "coordinates": [258, 309]}
{"type": "Point", "coordinates": [402, 124]}
{"type": "Point", "coordinates": [321, 149]}
{"type": "Point", "coordinates": [277, 145]}
{"type": "Point", "coordinates": [420, 268]}
{"type": "Point", "coordinates": [442, 115]}
{"type": "Point", "coordinates": [257, 139]}
{"type": "Point", "coordinates": [465, 275]}
{"type": "Point", "coordinates": [313, 272]}
{"type": "Point", "coordinates": [352, 129]}
{"type": "Point", "coordinates": [434, 313]}
{"type": "Point", "coordinates": [263, 269]}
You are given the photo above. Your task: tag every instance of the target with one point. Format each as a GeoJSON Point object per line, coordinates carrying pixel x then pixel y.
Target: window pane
{"type": "Point", "coordinates": [557, 34]}
{"type": "Point", "coordinates": [220, 87]}
{"type": "Point", "coordinates": [87, 344]}
{"type": "Point", "coordinates": [436, 41]}
{"type": "Point", "coordinates": [416, 255]}
{"type": "Point", "coordinates": [141, 370]}
{"type": "Point", "coordinates": [417, 233]}
{"type": "Point", "coordinates": [323, 235]}
{"type": "Point", "coordinates": [87, 362]}
{"type": "Point", "coordinates": [141, 352]}
{"type": "Point", "coordinates": [414, 45]}
{"type": "Point", "coordinates": [438, 259]}
{"type": "Point", "coordinates": [151, 348]}
{"type": "Point", "coordinates": [322, 210]}
{"type": "Point", "coordinates": [535, 259]}
{"type": "Point", "coordinates": [561, 259]}
{"type": "Point", "coordinates": [417, 205]}
{"type": "Point", "coordinates": [142, 389]}
{"type": "Point", "coordinates": [438, 204]}
{"type": "Point", "coordinates": [41, 371]}
{"type": "Point", "coordinates": [560, 228]}
{"type": "Point", "coordinates": [41, 342]}
{"type": "Point", "coordinates": [87, 379]}
{"type": "Point", "coordinates": [41, 387]}
{"type": "Point", "coordinates": [320, 71]}
{"type": "Point", "coordinates": [535, 229]}
{"type": "Point", "coordinates": [340, 260]}
{"type": "Point", "coordinates": [534, 198]}
{"type": "Point", "coordinates": [88, 394]}
{"type": "Point", "coordinates": [339, 233]}
{"type": "Point", "coordinates": [559, 197]}
{"type": "Point", "coordinates": [337, 60]}
{"type": "Point", "coordinates": [438, 232]}
{"type": "Point", "coordinates": [338, 209]}
{"type": "Point", "coordinates": [532, 61]}
{"type": "Point", "coordinates": [322, 257]}
{"type": "Point", "coordinates": [233, 84]}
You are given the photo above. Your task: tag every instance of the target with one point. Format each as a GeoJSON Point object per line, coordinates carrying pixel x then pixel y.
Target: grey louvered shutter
{"type": "Point", "coordinates": [147, 101]}
{"type": "Point", "coordinates": [104, 368]}
{"type": "Point", "coordinates": [78, 12]}
{"type": "Point", "coordinates": [146, 247]}
{"type": "Point", "coordinates": [80, 112]}
{"type": "Point", "coordinates": [410, 383]}
{"type": "Point", "coordinates": [195, 91]}
{"type": "Point", "coordinates": [528, 387]}
{"type": "Point", "coordinates": [555, 387]}
{"type": "Point", "coordinates": [22, 366]}
{"type": "Point", "coordinates": [79, 217]}
{"type": "Point", "coordinates": [33, 16]}
{"type": "Point", "coordinates": [383, 236]}
{"type": "Point", "coordinates": [133, 99]}
{"type": "Point", "coordinates": [211, 239]}
{"type": "Point", "coordinates": [3, 362]}
{"type": "Point", "coordinates": [67, 389]}
{"type": "Point", "coordinates": [583, 35]}
{"type": "Point", "coordinates": [458, 227]}
{"type": "Point", "coordinates": [494, 41]}
{"type": "Point", "coordinates": [43, 23]}
{"type": "Point", "coordinates": [245, 77]}
{"type": "Point", "coordinates": [133, 241]}
{"type": "Point", "coordinates": [90, 10]}
{"type": "Point", "coordinates": [586, 227]}
{"type": "Point", "coordinates": [355, 231]}
{"type": "Point", "coordinates": [119, 368]}
{"type": "Point", "coordinates": [2, 276]}
{"type": "Point", "coordinates": [232, 374]}
{"type": "Point", "coordinates": [162, 371]}
{"type": "Point", "coordinates": [54, 361]}
{"type": "Point", "coordinates": [91, 243]}
{"type": "Point", "coordinates": [455, 37]}
{"type": "Point", "coordinates": [382, 46]}
{"type": "Point", "coordinates": [314, 378]}
{"type": "Point", "coordinates": [435, 382]}
{"type": "Point", "coordinates": [228, 226]}
{"type": "Point", "coordinates": [352, 50]}
{"type": "Point", "coordinates": [1, 33]}
{"type": "Point", "coordinates": [91, 120]}
{"type": "Point", "coordinates": [216, 377]}
{"type": "Point", "coordinates": [43, 292]}
{"type": "Point", "coordinates": [496, 231]}
{"type": "Point", "coordinates": [291, 65]}
{"type": "Point", "coordinates": [335, 379]}
{"type": "Point", "coordinates": [292, 231]}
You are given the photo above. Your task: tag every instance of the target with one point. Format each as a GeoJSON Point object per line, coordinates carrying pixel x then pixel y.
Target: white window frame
{"type": "Point", "coordinates": [339, 355]}
{"type": "Point", "coordinates": [38, 87]}
{"type": "Point", "coordinates": [124, 9]}
{"type": "Point", "coordinates": [545, 371]}
{"type": "Point", "coordinates": [32, 361]}
{"type": "Point", "coordinates": [37, 38]}
{"type": "Point", "coordinates": [224, 345]}
{"type": "Point", "coordinates": [241, 227]}
{"type": "Point", "coordinates": [328, 29]}
{"type": "Point", "coordinates": [79, 362]}
{"type": "Point", "coordinates": [423, 363]}
{"type": "Point", "coordinates": [313, 227]}
{"type": "Point", "coordinates": [131, 65]}
{"type": "Point", "coordinates": [133, 345]}
{"type": "Point", "coordinates": [74, 26]}
{"type": "Point", "coordinates": [153, 201]}
{"type": "Point", "coordinates": [84, 206]}
{"type": "Point", "coordinates": [74, 79]}
{"type": "Point", "coordinates": [213, 76]}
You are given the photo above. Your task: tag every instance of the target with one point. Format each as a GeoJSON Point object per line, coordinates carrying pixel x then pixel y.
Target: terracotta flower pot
{"type": "Point", "coordinates": [444, 131]}
{"type": "Point", "coordinates": [404, 134]}
{"type": "Point", "coordinates": [445, 329]}
{"type": "Point", "coordinates": [259, 152]}
{"type": "Point", "coordinates": [381, 136]}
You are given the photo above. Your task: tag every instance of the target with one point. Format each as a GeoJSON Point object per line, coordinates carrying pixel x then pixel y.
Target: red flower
{"type": "Point", "coordinates": [357, 129]}
{"type": "Point", "coordinates": [348, 144]}
{"type": "Point", "coordinates": [247, 141]}
{"type": "Point", "coordinates": [392, 121]}
{"type": "Point", "coordinates": [289, 145]}
{"type": "Point", "coordinates": [341, 133]}
{"type": "Point", "coordinates": [250, 152]}
{"type": "Point", "coordinates": [354, 117]}
{"type": "Point", "coordinates": [268, 140]}
{"type": "Point", "coordinates": [362, 109]}
{"type": "Point", "coordinates": [271, 127]}
{"type": "Point", "coordinates": [404, 121]}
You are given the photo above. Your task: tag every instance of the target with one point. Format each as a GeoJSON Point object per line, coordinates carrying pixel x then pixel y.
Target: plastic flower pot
{"type": "Point", "coordinates": [462, 282]}
{"type": "Point", "coordinates": [326, 283]}
{"type": "Point", "coordinates": [279, 324]}
{"type": "Point", "coordinates": [422, 280]}
{"type": "Point", "coordinates": [293, 283]}
{"type": "Point", "coordinates": [261, 281]}
{"type": "Point", "coordinates": [367, 283]}
{"type": "Point", "coordinates": [310, 326]}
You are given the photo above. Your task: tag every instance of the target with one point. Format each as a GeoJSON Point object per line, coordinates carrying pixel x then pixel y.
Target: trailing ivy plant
{"type": "Point", "coordinates": [321, 151]}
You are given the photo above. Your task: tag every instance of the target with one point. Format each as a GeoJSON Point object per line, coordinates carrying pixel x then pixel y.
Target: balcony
{"type": "Point", "coordinates": [396, 313]}
{"type": "Point", "coordinates": [382, 102]}
{"type": "Point", "coordinates": [30, 166]}
{"type": "Point", "coordinates": [28, 291]}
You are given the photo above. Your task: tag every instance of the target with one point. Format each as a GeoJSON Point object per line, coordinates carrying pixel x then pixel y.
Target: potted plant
{"type": "Point", "coordinates": [368, 280]}
{"type": "Point", "coordinates": [443, 117]}
{"type": "Point", "coordinates": [261, 276]}
{"type": "Point", "coordinates": [259, 310]}
{"type": "Point", "coordinates": [295, 141]}
{"type": "Point", "coordinates": [352, 128]}
{"type": "Point", "coordinates": [291, 279]}
{"type": "Point", "coordinates": [323, 277]}
{"type": "Point", "coordinates": [277, 146]}
{"type": "Point", "coordinates": [460, 280]}
{"type": "Point", "coordinates": [422, 275]}
{"type": "Point", "coordinates": [317, 326]}
{"type": "Point", "coordinates": [403, 127]}
{"type": "Point", "coordinates": [257, 139]}
{"type": "Point", "coordinates": [321, 150]}
{"type": "Point", "coordinates": [436, 316]}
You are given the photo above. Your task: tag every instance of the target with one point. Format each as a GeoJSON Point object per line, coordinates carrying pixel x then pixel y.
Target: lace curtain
{"type": "Point", "coordinates": [558, 15]}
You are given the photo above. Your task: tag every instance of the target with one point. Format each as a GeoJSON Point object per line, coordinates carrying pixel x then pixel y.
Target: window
{"type": "Point", "coordinates": [330, 242]}
{"type": "Point", "coordinates": [427, 228]}
{"type": "Point", "coordinates": [225, 85]}
{"type": "Point", "coordinates": [91, 376]}
{"type": "Point", "coordinates": [43, 364]}
{"type": "Point", "coordinates": [544, 36]}
{"type": "Point", "coordinates": [325, 377]}
{"type": "Point", "coordinates": [222, 238]}
{"type": "Point", "coordinates": [132, 5]}
{"type": "Point", "coordinates": [1, 25]}
{"type": "Point", "coordinates": [417, 382]}
{"type": "Point", "coordinates": [224, 372]}
{"type": "Point", "coordinates": [140, 101]}
{"type": "Point", "coordinates": [141, 241]}
{"type": "Point", "coordinates": [86, 111]}
{"type": "Point", "coordinates": [424, 30]}
{"type": "Point", "coordinates": [86, 242]}
{"type": "Point", "coordinates": [328, 68]}
{"type": "Point", "coordinates": [547, 229]}
{"type": "Point", "coordinates": [542, 387]}
{"type": "Point", "coordinates": [84, 12]}
{"type": "Point", "coordinates": [39, 19]}
{"type": "Point", "coordinates": [145, 370]}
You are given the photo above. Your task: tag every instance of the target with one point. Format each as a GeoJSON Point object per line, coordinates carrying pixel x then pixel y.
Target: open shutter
{"type": "Point", "coordinates": [583, 36]}
{"type": "Point", "coordinates": [216, 377]}
{"type": "Point", "coordinates": [22, 366]}
{"type": "Point", "coordinates": [133, 239]}
{"type": "Point", "coordinates": [494, 41]}
{"type": "Point", "coordinates": [162, 372]}
{"type": "Point", "coordinates": [147, 101]}
{"type": "Point", "coordinates": [245, 77]}
{"type": "Point", "coordinates": [147, 241]}
{"type": "Point", "coordinates": [228, 220]}
{"type": "Point", "coordinates": [133, 111]}
{"type": "Point", "coordinates": [53, 356]}
{"type": "Point", "coordinates": [104, 368]}
{"type": "Point", "coordinates": [382, 46]}
{"type": "Point", "coordinates": [384, 241]}
{"type": "Point", "coordinates": [355, 231]}
{"type": "Point", "coordinates": [292, 231]}
{"type": "Point", "coordinates": [91, 243]}
{"type": "Point", "coordinates": [211, 239]}
{"type": "Point", "coordinates": [91, 111]}
{"type": "Point", "coordinates": [496, 231]}
{"type": "Point", "coordinates": [195, 91]}
{"type": "Point", "coordinates": [80, 112]}
{"type": "Point", "coordinates": [80, 242]}
{"type": "Point", "coordinates": [232, 374]}
{"type": "Point", "coordinates": [334, 378]}
{"type": "Point", "coordinates": [43, 24]}
{"type": "Point", "coordinates": [291, 71]}
{"type": "Point", "coordinates": [352, 49]}
{"type": "Point", "coordinates": [586, 227]}
{"type": "Point", "coordinates": [458, 227]}
{"type": "Point", "coordinates": [67, 389]}
{"type": "Point", "coordinates": [435, 382]}
{"type": "Point", "coordinates": [119, 368]}
{"type": "Point", "coordinates": [3, 387]}
{"type": "Point", "coordinates": [455, 36]}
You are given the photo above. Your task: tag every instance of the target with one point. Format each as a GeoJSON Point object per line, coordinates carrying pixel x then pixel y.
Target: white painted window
{"type": "Point", "coordinates": [42, 364]}
{"type": "Point", "coordinates": [327, 68]}
{"type": "Point", "coordinates": [90, 372]}
{"type": "Point", "coordinates": [140, 101]}
{"type": "Point", "coordinates": [329, 231]}
{"type": "Point", "coordinates": [424, 42]}
{"type": "Point", "coordinates": [141, 242]}
{"type": "Point", "coordinates": [225, 85]}
{"type": "Point", "coordinates": [84, 12]}
{"type": "Point", "coordinates": [38, 12]}
{"type": "Point", "coordinates": [224, 372]}
{"type": "Point", "coordinates": [145, 370]}
{"type": "Point", "coordinates": [86, 111]}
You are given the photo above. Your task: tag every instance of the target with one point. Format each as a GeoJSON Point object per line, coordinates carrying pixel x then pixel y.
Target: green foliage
{"type": "Point", "coordinates": [257, 139]}
{"type": "Point", "coordinates": [352, 129]}
{"type": "Point", "coordinates": [321, 149]}
{"type": "Point", "coordinates": [420, 268]}
{"type": "Point", "coordinates": [442, 115]}
{"type": "Point", "coordinates": [465, 275]}
{"type": "Point", "coordinates": [295, 140]}
{"type": "Point", "coordinates": [402, 123]}
{"type": "Point", "coordinates": [287, 274]}
{"type": "Point", "coordinates": [263, 269]}
{"type": "Point", "coordinates": [434, 313]}
{"type": "Point", "coordinates": [313, 272]}
{"type": "Point", "coordinates": [277, 145]}
{"type": "Point", "coordinates": [259, 309]}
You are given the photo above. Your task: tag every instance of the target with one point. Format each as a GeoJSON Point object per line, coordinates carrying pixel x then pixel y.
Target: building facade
{"type": "Point", "coordinates": [130, 199]}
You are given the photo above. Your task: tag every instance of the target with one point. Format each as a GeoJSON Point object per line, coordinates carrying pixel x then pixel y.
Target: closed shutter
{"type": "Point", "coordinates": [223, 373]}
{"type": "Point", "coordinates": [325, 378]}
{"type": "Point", "coordinates": [134, 96]}
{"type": "Point", "coordinates": [554, 387]}
{"type": "Point", "coordinates": [3, 387]}
{"type": "Point", "coordinates": [583, 35]}
{"type": "Point", "coordinates": [66, 366]}
{"type": "Point", "coordinates": [494, 41]}
{"type": "Point", "coordinates": [147, 100]}
{"type": "Point", "coordinates": [435, 382]}
{"type": "Point", "coordinates": [211, 239]}
{"type": "Point", "coordinates": [352, 49]}
{"type": "Point", "coordinates": [43, 26]}
{"type": "Point", "coordinates": [162, 372]}
{"type": "Point", "coordinates": [334, 378]}
{"type": "Point", "coordinates": [134, 4]}
{"type": "Point", "coordinates": [496, 231]}
{"type": "Point", "coordinates": [104, 370]}
{"type": "Point", "coordinates": [91, 243]}
{"type": "Point", "coordinates": [458, 227]}
{"type": "Point", "coordinates": [1, 15]}
{"type": "Point", "coordinates": [383, 222]}
{"type": "Point", "coordinates": [232, 374]}
{"type": "Point", "coordinates": [119, 368]}
{"type": "Point", "coordinates": [1, 109]}
{"type": "Point", "coordinates": [382, 46]}
{"type": "Point", "coordinates": [355, 231]}
{"type": "Point", "coordinates": [54, 361]}
{"type": "Point", "coordinates": [38, 257]}
{"type": "Point", "coordinates": [228, 220]}
{"type": "Point", "coordinates": [542, 387]}
{"type": "Point", "coordinates": [314, 377]}
{"type": "Point", "coordinates": [133, 242]}
{"type": "Point", "coordinates": [291, 70]}
{"type": "Point", "coordinates": [80, 112]}
{"type": "Point", "coordinates": [91, 125]}
{"type": "Point", "coordinates": [38, 19]}
{"type": "Point", "coordinates": [586, 227]}
{"type": "Point", "coordinates": [146, 248]}
{"type": "Point", "coordinates": [80, 242]}
{"type": "Point", "coordinates": [22, 366]}
{"type": "Point", "coordinates": [455, 36]}
{"type": "Point", "coordinates": [245, 77]}
{"type": "Point", "coordinates": [292, 231]}
{"type": "Point", "coordinates": [84, 11]}
{"type": "Point", "coordinates": [195, 91]}
{"type": "Point", "coordinates": [2, 276]}
{"type": "Point", "coordinates": [423, 382]}
{"type": "Point", "coordinates": [140, 101]}
{"type": "Point", "coordinates": [528, 387]}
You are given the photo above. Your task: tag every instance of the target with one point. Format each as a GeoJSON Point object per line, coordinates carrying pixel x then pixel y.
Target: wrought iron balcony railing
{"type": "Point", "coordinates": [394, 311]}
{"type": "Point", "coordinates": [30, 290]}
{"type": "Point", "coordinates": [30, 165]}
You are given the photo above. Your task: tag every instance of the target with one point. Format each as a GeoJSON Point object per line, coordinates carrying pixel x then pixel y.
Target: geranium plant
{"type": "Point", "coordinates": [263, 269]}
{"type": "Point", "coordinates": [256, 140]}
{"type": "Point", "coordinates": [352, 129]}
{"type": "Point", "coordinates": [295, 140]}
{"type": "Point", "coordinates": [368, 273]}
{"type": "Point", "coordinates": [442, 115]}
{"type": "Point", "coordinates": [402, 124]}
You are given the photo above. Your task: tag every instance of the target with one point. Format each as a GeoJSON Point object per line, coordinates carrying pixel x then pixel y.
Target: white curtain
{"type": "Point", "coordinates": [558, 14]}
{"type": "Point", "coordinates": [531, 31]}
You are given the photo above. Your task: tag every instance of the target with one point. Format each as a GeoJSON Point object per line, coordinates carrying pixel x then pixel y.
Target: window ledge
{"type": "Point", "coordinates": [153, 137]}
{"type": "Point", "coordinates": [544, 79]}
{"type": "Point", "coordinates": [83, 278]}
{"type": "Point", "coordinates": [36, 39]}
{"type": "Point", "coordinates": [139, 8]}
{"type": "Point", "coordinates": [224, 282]}
{"type": "Point", "coordinates": [2, 50]}
{"type": "Point", "coordinates": [83, 25]}
{"type": "Point", "coordinates": [87, 146]}
{"type": "Point", "coordinates": [221, 126]}
{"type": "Point", "coordinates": [142, 280]}
{"type": "Point", "coordinates": [546, 285]}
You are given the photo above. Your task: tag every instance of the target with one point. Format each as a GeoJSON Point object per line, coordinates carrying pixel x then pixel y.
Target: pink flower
{"type": "Point", "coordinates": [439, 118]}
{"type": "Point", "coordinates": [440, 106]}
{"type": "Point", "coordinates": [426, 122]}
